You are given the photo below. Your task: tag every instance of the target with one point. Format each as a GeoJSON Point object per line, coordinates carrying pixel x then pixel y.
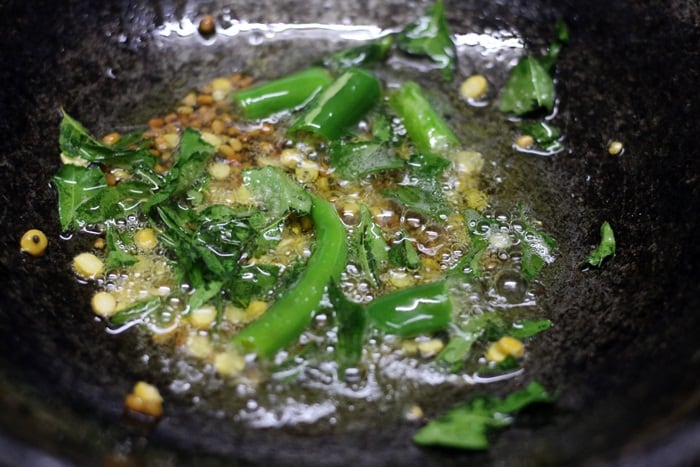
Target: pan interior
{"type": "Point", "coordinates": [120, 64]}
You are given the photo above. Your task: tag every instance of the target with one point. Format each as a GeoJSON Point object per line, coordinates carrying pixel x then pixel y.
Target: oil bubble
{"type": "Point", "coordinates": [511, 286]}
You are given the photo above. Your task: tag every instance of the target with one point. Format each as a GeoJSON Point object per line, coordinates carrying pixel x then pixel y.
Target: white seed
{"type": "Point", "coordinates": [525, 141]}
{"type": "Point", "coordinates": [468, 162]}
{"type": "Point", "coordinates": [203, 317]}
{"type": "Point", "coordinates": [219, 170]}
{"type": "Point", "coordinates": [229, 363]}
{"type": "Point", "coordinates": [88, 266]}
{"type": "Point", "coordinates": [307, 171]}
{"type": "Point", "coordinates": [104, 304]}
{"type": "Point", "coordinates": [615, 148]}
{"type": "Point", "coordinates": [255, 308]}
{"type": "Point", "coordinates": [430, 347]}
{"type": "Point", "coordinates": [171, 139]}
{"type": "Point", "coordinates": [474, 87]}
{"type": "Point", "coordinates": [145, 239]}
{"type": "Point", "coordinates": [291, 158]}
{"type": "Point", "coordinates": [78, 161]}
{"type": "Point", "coordinates": [199, 346]}
{"type": "Point", "coordinates": [212, 139]}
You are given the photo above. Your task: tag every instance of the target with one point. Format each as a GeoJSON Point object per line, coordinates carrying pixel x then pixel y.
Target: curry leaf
{"type": "Point", "coordinates": [466, 426]}
{"type": "Point", "coordinates": [351, 319]}
{"type": "Point", "coordinates": [278, 193]}
{"type": "Point", "coordinates": [353, 160]}
{"type": "Point", "coordinates": [117, 249]}
{"type": "Point", "coordinates": [138, 310]}
{"type": "Point", "coordinates": [363, 55]}
{"type": "Point", "coordinates": [528, 328]}
{"type": "Point", "coordinates": [537, 247]}
{"type": "Point", "coordinates": [544, 134]}
{"type": "Point", "coordinates": [76, 186]}
{"type": "Point", "coordinates": [421, 191]}
{"type": "Point", "coordinates": [529, 88]}
{"type": "Point", "coordinates": [459, 347]}
{"type": "Point", "coordinates": [191, 160]}
{"type": "Point", "coordinates": [430, 203]}
{"type": "Point", "coordinates": [561, 39]}
{"type": "Point", "coordinates": [605, 248]}
{"type": "Point", "coordinates": [404, 255]}
{"type": "Point", "coordinates": [429, 35]}
{"type": "Point", "coordinates": [75, 141]}
{"type": "Point", "coordinates": [368, 249]}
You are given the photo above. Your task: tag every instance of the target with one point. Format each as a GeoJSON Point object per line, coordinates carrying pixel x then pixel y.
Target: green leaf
{"type": "Point", "coordinates": [466, 426]}
{"type": "Point", "coordinates": [430, 203]}
{"type": "Point", "coordinates": [364, 55]}
{"type": "Point", "coordinates": [354, 160]}
{"type": "Point", "coordinates": [203, 294]}
{"type": "Point", "coordinates": [544, 134]}
{"type": "Point", "coordinates": [403, 254]}
{"type": "Point", "coordinates": [351, 319]}
{"type": "Point", "coordinates": [459, 347]}
{"type": "Point", "coordinates": [381, 126]}
{"type": "Point", "coordinates": [529, 88]}
{"type": "Point", "coordinates": [605, 248]}
{"type": "Point", "coordinates": [421, 191]}
{"type": "Point", "coordinates": [75, 141]}
{"type": "Point", "coordinates": [117, 249]}
{"type": "Point", "coordinates": [138, 310]}
{"type": "Point", "coordinates": [537, 247]}
{"type": "Point", "coordinates": [368, 249]}
{"type": "Point", "coordinates": [77, 186]}
{"type": "Point", "coordinates": [278, 193]}
{"type": "Point", "coordinates": [561, 38]}
{"type": "Point", "coordinates": [429, 36]}
{"type": "Point", "coordinates": [528, 328]}
{"type": "Point", "coordinates": [190, 165]}
{"type": "Point", "coordinates": [256, 281]}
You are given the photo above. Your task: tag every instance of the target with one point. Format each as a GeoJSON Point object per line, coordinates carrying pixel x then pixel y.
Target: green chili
{"type": "Point", "coordinates": [361, 56]}
{"type": "Point", "coordinates": [416, 310]}
{"type": "Point", "coordinates": [426, 128]}
{"type": "Point", "coordinates": [288, 93]}
{"type": "Point", "coordinates": [289, 316]}
{"type": "Point", "coordinates": [340, 105]}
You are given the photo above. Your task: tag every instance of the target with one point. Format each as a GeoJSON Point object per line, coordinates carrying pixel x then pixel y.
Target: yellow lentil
{"type": "Point", "coordinates": [474, 87]}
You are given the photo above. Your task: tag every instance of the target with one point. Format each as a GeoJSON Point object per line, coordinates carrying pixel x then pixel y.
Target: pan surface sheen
{"type": "Point", "coordinates": [624, 353]}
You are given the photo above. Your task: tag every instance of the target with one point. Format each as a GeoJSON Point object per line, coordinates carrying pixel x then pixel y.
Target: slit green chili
{"type": "Point", "coordinates": [340, 105]}
{"type": "Point", "coordinates": [292, 313]}
{"type": "Point", "coordinates": [288, 93]}
{"type": "Point", "coordinates": [415, 310]}
{"type": "Point", "coordinates": [424, 126]}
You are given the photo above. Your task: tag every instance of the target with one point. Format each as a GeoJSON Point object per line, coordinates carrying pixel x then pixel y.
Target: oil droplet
{"type": "Point", "coordinates": [511, 286]}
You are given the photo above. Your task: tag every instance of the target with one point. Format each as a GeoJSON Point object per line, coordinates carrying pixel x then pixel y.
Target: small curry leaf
{"type": "Point", "coordinates": [77, 186]}
{"type": "Point", "coordinates": [429, 35]}
{"type": "Point", "coordinates": [466, 426]}
{"type": "Point", "coordinates": [605, 248]}
{"type": "Point", "coordinates": [353, 160]}
{"type": "Point", "coordinates": [529, 88]}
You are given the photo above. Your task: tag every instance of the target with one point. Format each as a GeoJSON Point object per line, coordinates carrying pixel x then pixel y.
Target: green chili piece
{"type": "Point", "coordinates": [426, 128]}
{"type": "Point", "coordinates": [289, 316]}
{"type": "Point", "coordinates": [361, 56]}
{"type": "Point", "coordinates": [416, 310]}
{"type": "Point", "coordinates": [288, 93]}
{"type": "Point", "coordinates": [340, 106]}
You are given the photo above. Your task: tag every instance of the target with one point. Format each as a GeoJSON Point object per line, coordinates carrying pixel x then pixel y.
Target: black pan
{"type": "Point", "coordinates": [624, 352]}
